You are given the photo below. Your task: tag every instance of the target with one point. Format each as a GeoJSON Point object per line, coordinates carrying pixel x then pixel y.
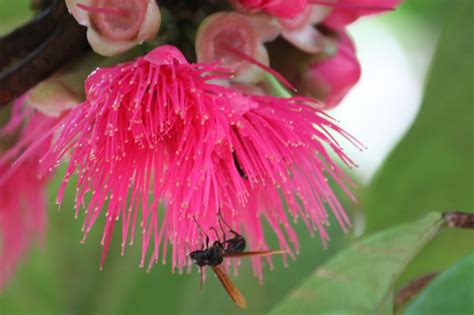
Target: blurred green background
{"type": "Point", "coordinates": [428, 165]}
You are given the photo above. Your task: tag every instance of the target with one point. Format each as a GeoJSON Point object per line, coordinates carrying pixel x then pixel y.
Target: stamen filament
{"type": "Point", "coordinates": [351, 6]}
{"type": "Point", "coordinates": [103, 10]}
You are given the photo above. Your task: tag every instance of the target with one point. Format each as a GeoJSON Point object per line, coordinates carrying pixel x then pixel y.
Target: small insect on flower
{"type": "Point", "coordinates": [214, 255]}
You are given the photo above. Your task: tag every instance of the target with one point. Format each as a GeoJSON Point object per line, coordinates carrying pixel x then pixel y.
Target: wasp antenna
{"type": "Point", "coordinates": [221, 218]}
{"type": "Point", "coordinates": [217, 234]}
{"type": "Point", "coordinates": [198, 225]}
{"type": "Point", "coordinates": [202, 231]}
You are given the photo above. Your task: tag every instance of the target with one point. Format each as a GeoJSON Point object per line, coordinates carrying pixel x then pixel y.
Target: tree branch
{"type": "Point", "coordinates": [36, 50]}
{"type": "Point", "coordinates": [20, 42]}
{"type": "Point", "coordinates": [459, 219]}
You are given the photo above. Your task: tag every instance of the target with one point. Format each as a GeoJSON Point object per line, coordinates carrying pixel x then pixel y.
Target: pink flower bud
{"type": "Point", "coordinates": [52, 97]}
{"type": "Point", "coordinates": [331, 79]}
{"type": "Point", "coordinates": [347, 11]}
{"type": "Point", "coordinates": [243, 33]}
{"type": "Point", "coordinates": [300, 30]}
{"type": "Point", "coordinates": [64, 89]}
{"type": "Point", "coordinates": [114, 26]}
{"type": "Point", "coordinates": [280, 8]}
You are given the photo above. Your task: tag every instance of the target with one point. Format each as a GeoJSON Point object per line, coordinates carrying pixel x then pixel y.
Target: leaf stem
{"type": "Point", "coordinates": [276, 88]}
{"type": "Point", "coordinates": [459, 219]}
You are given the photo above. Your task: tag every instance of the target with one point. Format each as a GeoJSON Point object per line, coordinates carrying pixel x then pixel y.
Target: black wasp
{"type": "Point", "coordinates": [214, 255]}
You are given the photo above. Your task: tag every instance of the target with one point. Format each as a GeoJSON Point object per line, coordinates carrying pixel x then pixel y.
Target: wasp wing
{"type": "Point", "coordinates": [233, 292]}
{"type": "Point", "coordinates": [256, 253]}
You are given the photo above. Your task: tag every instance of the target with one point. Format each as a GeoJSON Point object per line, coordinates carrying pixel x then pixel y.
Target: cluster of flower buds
{"type": "Point", "coordinates": [199, 138]}
{"type": "Point", "coordinates": [326, 67]}
{"type": "Point", "coordinates": [318, 56]}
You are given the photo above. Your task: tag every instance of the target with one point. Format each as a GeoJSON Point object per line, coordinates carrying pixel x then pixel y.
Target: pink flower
{"type": "Point", "coordinates": [22, 194]}
{"type": "Point", "coordinates": [114, 26]}
{"type": "Point", "coordinates": [330, 79]}
{"type": "Point", "coordinates": [346, 12]}
{"type": "Point", "coordinates": [22, 216]}
{"type": "Point", "coordinates": [246, 33]}
{"type": "Point", "coordinates": [343, 12]}
{"type": "Point", "coordinates": [301, 32]}
{"type": "Point", "coordinates": [155, 130]}
{"type": "Point", "coordinates": [279, 8]}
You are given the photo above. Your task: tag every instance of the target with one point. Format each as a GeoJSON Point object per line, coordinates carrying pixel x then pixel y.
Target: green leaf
{"type": "Point", "coordinates": [451, 292]}
{"type": "Point", "coordinates": [360, 279]}
{"type": "Point", "coordinates": [431, 169]}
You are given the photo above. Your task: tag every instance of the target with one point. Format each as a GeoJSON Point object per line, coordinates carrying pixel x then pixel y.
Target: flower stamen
{"type": "Point", "coordinates": [257, 63]}
{"type": "Point", "coordinates": [103, 10]}
{"type": "Point", "coordinates": [352, 6]}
